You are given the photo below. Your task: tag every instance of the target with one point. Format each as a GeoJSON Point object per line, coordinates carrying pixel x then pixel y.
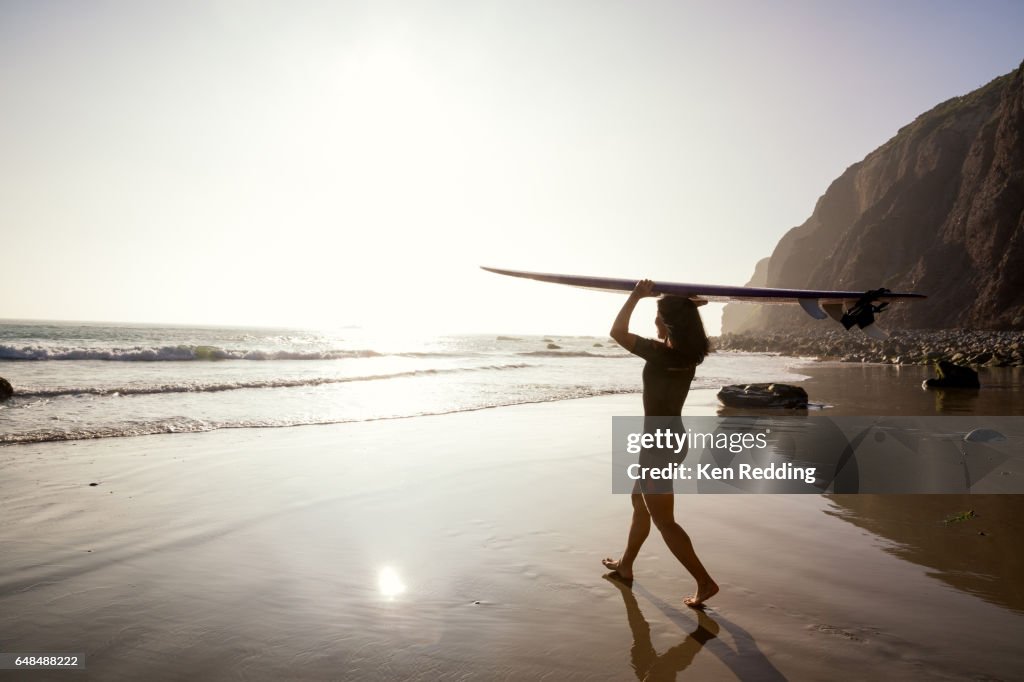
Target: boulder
{"type": "Point", "coordinates": [6, 390]}
{"type": "Point", "coordinates": [554, 346]}
{"type": "Point", "coordinates": [953, 376]}
{"type": "Point", "coordinates": [763, 395]}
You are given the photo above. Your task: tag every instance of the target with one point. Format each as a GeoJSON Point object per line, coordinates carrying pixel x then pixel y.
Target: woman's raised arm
{"type": "Point", "coordinates": [620, 328]}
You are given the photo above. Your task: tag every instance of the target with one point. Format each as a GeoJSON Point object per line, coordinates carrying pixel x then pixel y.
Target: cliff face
{"type": "Point", "coordinates": [938, 209]}
{"type": "Point", "coordinates": [735, 317]}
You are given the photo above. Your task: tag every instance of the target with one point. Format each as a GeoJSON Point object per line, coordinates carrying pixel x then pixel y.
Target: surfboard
{"type": "Point", "coordinates": [847, 307]}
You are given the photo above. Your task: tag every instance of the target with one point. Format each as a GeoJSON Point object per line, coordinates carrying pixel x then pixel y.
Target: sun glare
{"type": "Point", "coordinates": [390, 583]}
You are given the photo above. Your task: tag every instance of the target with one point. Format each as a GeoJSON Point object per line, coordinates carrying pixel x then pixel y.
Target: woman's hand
{"type": "Point", "coordinates": [644, 289]}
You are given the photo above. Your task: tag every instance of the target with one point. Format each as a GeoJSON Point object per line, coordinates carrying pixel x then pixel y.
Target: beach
{"type": "Point", "coordinates": [468, 546]}
{"type": "Point", "coordinates": [328, 330]}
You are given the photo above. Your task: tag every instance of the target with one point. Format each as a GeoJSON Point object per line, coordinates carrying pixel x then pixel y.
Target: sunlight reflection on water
{"type": "Point", "coordinates": [389, 582]}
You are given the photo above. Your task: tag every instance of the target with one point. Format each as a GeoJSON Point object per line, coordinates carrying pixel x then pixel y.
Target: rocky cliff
{"type": "Point", "coordinates": [937, 209]}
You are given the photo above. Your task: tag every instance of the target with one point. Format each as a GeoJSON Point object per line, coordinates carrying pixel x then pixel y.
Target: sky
{"type": "Point", "coordinates": [341, 163]}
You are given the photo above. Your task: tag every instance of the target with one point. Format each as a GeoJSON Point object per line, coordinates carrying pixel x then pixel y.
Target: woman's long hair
{"type": "Point", "coordinates": [685, 328]}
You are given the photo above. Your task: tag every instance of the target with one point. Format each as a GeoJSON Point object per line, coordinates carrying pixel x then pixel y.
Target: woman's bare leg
{"type": "Point", "coordinates": [660, 507]}
{"type": "Point", "coordinates": [639, 529]}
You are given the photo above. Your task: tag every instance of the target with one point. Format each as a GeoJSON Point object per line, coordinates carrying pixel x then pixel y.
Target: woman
{"type": "Point", "coordinates": [670, 367]}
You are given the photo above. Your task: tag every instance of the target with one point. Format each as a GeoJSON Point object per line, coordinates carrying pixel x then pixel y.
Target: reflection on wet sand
{"type": "Point", "coordinates": [896, 390]}
{"type": "Point", "coordinates": [956, 400]}
{"type": "Point", "coordinates": [746, 660]}
{"type": "Point", "coordinates": [978, 553]}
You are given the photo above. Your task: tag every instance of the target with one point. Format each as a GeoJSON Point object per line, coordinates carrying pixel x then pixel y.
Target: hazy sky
{"type": "Point", "coordinates": [353, 162]}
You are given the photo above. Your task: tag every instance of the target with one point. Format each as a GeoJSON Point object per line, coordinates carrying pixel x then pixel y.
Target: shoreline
{"type": "Point", "coordinates": [1002, 394]}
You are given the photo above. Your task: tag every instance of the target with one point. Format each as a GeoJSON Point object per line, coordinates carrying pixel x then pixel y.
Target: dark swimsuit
{"type": "Point", "coordinates": [667, 378]}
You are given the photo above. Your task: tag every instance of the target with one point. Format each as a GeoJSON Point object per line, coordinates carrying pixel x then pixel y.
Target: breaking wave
{"type": "Point", "coordinates": [183, 353]}
{"type": "Point", "coordinates": [214, 387]}
{"type": "Point", "coordinates": [569, 354]}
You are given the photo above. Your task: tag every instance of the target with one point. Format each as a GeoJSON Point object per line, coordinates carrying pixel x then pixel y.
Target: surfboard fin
{"type": "Point", "coordinates": [834, 310]}
{"type": "Point", "coordinates": [813, 308]}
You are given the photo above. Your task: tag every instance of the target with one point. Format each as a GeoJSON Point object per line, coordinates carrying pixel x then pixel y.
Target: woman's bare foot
{"type": "Point", "coordinates": [704, 592]}
{"type": "Point", "coordinates": [615, 566]}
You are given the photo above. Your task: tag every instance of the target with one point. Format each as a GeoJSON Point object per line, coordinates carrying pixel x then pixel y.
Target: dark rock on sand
{"type": "Point", "coordinates": [553, 346]}
{"type": "Point", "coordinates": [6, 390]}
{"type": "Point", "coordinates": [953, 376]}
{"type": "Point", "coordinates": [763, 395]}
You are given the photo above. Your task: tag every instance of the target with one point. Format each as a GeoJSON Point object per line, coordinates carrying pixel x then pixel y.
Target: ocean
{"type": "Point", "coordinates": [77, 380]}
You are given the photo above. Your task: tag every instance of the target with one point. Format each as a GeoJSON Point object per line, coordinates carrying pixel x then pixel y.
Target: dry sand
{"type": "Point", "coordinates": [467, 546]}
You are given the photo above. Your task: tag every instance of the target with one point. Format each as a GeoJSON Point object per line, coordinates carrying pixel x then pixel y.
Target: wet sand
{"type": "Point", "coordinates": [871, 389]}
{"type": "Point", "coordinates": [467, 546]}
